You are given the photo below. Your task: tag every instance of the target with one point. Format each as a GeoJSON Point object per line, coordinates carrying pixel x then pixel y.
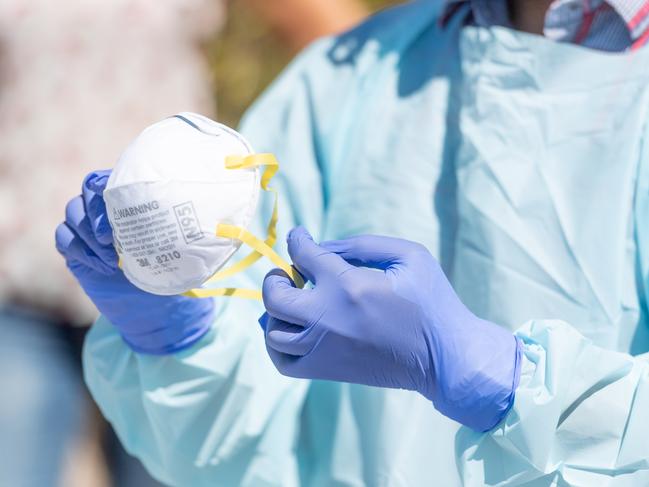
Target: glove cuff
{"type": "Point", "coordinates": [481, 391]}
{"type": "Point", "coordinates": [167, 340]}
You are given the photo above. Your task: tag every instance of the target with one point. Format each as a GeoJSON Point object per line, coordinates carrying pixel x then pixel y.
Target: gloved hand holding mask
{"type": "Point", "coordinates": [148, 323]}
{"type": "Point", "coordinates": [178, 201]}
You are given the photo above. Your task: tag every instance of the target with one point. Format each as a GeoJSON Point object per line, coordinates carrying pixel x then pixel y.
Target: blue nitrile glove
{"type": "Point", "coordinates": [148, 323]}
{"type": "Point", "coordinates": [398, 325]}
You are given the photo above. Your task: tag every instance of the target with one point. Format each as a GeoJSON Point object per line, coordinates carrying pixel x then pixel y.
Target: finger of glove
{"type": "Point", "coordinates": [92, 192]}
{"type": "Point", "coordinates": [374, 251]}
{"type": "Point", "coordinates": [73, 248]}
{"type": "Point", "coordinates": [289, 338]}
{"type": "Point", "coordinates": [284, 301]}
{"type": "Point", "coordinates": [310, 259]}
{"type": "Point", "coordinates": [288, 365]}
{"type": "Point", "coordinates": [263, 321]}
{"type": "Point", "coordinates": [77, 219]}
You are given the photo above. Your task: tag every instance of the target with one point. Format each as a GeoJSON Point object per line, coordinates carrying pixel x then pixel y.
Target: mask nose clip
{"type": "Point", "coordinates": [207, 126]}
{"type": "Point", "coordinates": [188, 122]}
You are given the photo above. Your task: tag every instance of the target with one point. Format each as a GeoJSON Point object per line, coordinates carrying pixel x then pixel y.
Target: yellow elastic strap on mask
{"type": "Point", "coordinates": [260, 248]}
{"type": "Point", "coordinates": [271, 166]}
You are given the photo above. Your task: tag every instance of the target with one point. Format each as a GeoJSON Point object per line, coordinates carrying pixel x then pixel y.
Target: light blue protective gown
{"type": "Point", "coordinates": [521, 164]}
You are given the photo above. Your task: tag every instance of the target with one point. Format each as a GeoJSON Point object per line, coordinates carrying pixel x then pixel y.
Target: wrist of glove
{"type": "Point", "coordinates": [475, 384]}
{"type": "Point", "coordinates": [382, 313]}
{"type": "Point", "coordinates": [148, 323]}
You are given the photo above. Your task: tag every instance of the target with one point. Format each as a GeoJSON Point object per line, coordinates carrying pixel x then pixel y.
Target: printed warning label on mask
{"type": "Point", "coordinates": [186, 216]}
{"type": "Point", "coordinates": [155, 236]}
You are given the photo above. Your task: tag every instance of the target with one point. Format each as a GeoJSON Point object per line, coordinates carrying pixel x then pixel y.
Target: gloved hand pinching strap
{"type": "Point", "coordinates": [382, 313]}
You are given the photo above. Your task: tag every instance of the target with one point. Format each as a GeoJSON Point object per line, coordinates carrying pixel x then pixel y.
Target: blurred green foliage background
{"type": "Point", "coordinates": [245, 57]}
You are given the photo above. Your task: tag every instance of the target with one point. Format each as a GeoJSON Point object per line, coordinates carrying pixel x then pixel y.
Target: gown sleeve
{"type": "Point", "coordinates": [579, 417]}
{"type": "Point", "coordinates": [581, 413]}
{"type": "Point", "coordinates": [219, 413]}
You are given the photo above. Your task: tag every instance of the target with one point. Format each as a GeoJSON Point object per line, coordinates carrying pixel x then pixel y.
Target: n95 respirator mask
{"type": "Point", "coordinates": [179, 201]}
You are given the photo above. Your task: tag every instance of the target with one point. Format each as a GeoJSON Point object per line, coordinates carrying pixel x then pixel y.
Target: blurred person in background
{"type": "Point", "coordinates": [77, 81]}
{"type": "Point", "coordinates": [298, 22]}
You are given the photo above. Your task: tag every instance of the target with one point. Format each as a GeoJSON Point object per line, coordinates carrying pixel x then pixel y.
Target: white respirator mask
{"type": "Point", "coordinates": [180, 199]}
